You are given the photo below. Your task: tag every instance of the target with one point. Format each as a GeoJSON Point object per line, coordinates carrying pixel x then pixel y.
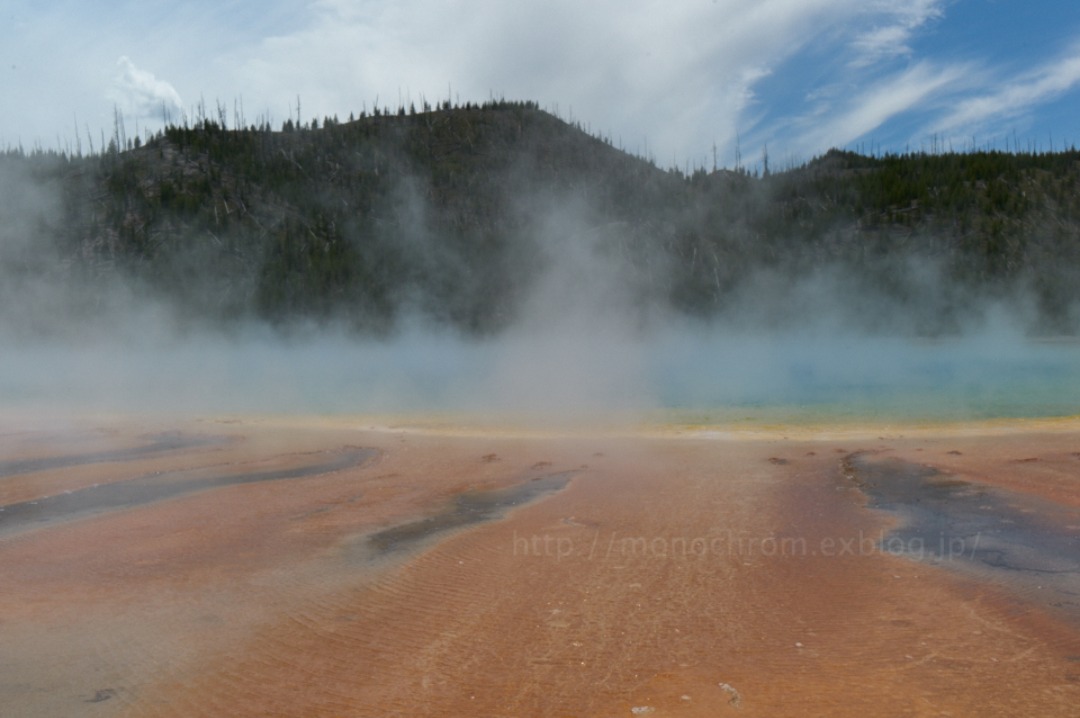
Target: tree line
{"type": "Point", "coordinates": [439, 211]}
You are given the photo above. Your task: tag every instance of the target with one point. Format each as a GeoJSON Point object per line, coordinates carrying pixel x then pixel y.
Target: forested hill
{"type": "Point", "coordinates": [454, 214]}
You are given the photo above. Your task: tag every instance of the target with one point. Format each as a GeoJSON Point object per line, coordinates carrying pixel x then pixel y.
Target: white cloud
{"type": "Point", "coordinates": [677, 76]}
{"type": "Point", "coordinates": [138, 93]}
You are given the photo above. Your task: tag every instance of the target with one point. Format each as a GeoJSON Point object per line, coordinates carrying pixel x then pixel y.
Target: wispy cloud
{"type": "Point", "coordinates": [871, 108]}
{"type": "Point", "coordinates": [892, 36]}
{"type": "Point", "coordinates": [1012, 97]}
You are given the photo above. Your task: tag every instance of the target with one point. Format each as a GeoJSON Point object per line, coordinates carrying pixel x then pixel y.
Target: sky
{"type": "Point", "coordinates": [680, 82]}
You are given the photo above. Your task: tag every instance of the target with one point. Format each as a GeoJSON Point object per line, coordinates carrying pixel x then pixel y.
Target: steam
{"type": "Point", "coordinates": [592, 336]}
{"type": "Point", "coordinates": [580, 341]}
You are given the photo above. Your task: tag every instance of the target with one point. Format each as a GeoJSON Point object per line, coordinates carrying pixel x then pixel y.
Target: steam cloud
{"type": "Point", "coordinates": [142, 94]}
{"type": "Point", "coordinates": [584, 343]}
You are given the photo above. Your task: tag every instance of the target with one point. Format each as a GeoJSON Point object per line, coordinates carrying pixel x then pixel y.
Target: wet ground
{"type": "Point", "coordinates": [153, 444]}
{"type": "Point", "coordinates": [1024, 542]}
{"type": "Point", "coordinates": [292, 567]}
{"type": "Point", "coordinates": [468, 508]}
{"type": "Point", "coordinates": [132, 493]}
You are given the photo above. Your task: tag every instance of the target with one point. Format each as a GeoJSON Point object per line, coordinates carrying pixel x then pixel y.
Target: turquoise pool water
{"type": "Point", "coordinates": [708, 378]}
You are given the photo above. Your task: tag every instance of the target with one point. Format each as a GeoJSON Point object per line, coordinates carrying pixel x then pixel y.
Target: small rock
{"type": "Point", "coordinates": [736, 698]}
{"type": "Point", "coordinates": [102, 695]}
{"type": "Point", "coordinates": [642, 710]}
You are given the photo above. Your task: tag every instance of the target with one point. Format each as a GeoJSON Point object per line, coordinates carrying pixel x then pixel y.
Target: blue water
{"type": "Point", "coordinates": [886, 378]}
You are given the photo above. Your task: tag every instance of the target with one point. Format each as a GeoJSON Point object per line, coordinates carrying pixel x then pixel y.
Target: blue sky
{"type": "Point", "coordinates": [672, 79]}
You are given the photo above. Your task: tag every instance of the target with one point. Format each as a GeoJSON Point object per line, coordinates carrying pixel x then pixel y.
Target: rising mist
{"type": "Point", "coordinates": [553, 277]}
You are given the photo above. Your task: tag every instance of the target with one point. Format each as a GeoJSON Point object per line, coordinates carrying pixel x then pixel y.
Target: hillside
{"type": "Point", "coordinates": [454, 214]}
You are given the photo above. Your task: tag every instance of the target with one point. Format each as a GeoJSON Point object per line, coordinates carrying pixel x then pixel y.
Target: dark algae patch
{"type": "Point", "coordinates": [469, 508]}
{"type": "Point", "coordinates": [1022, 541]}
{"type": "Point", "coordinates": [159, 487]}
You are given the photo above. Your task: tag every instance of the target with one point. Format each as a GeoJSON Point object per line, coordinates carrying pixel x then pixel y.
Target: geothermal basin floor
{"type": "Point", "coordinates": [347, 566]}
